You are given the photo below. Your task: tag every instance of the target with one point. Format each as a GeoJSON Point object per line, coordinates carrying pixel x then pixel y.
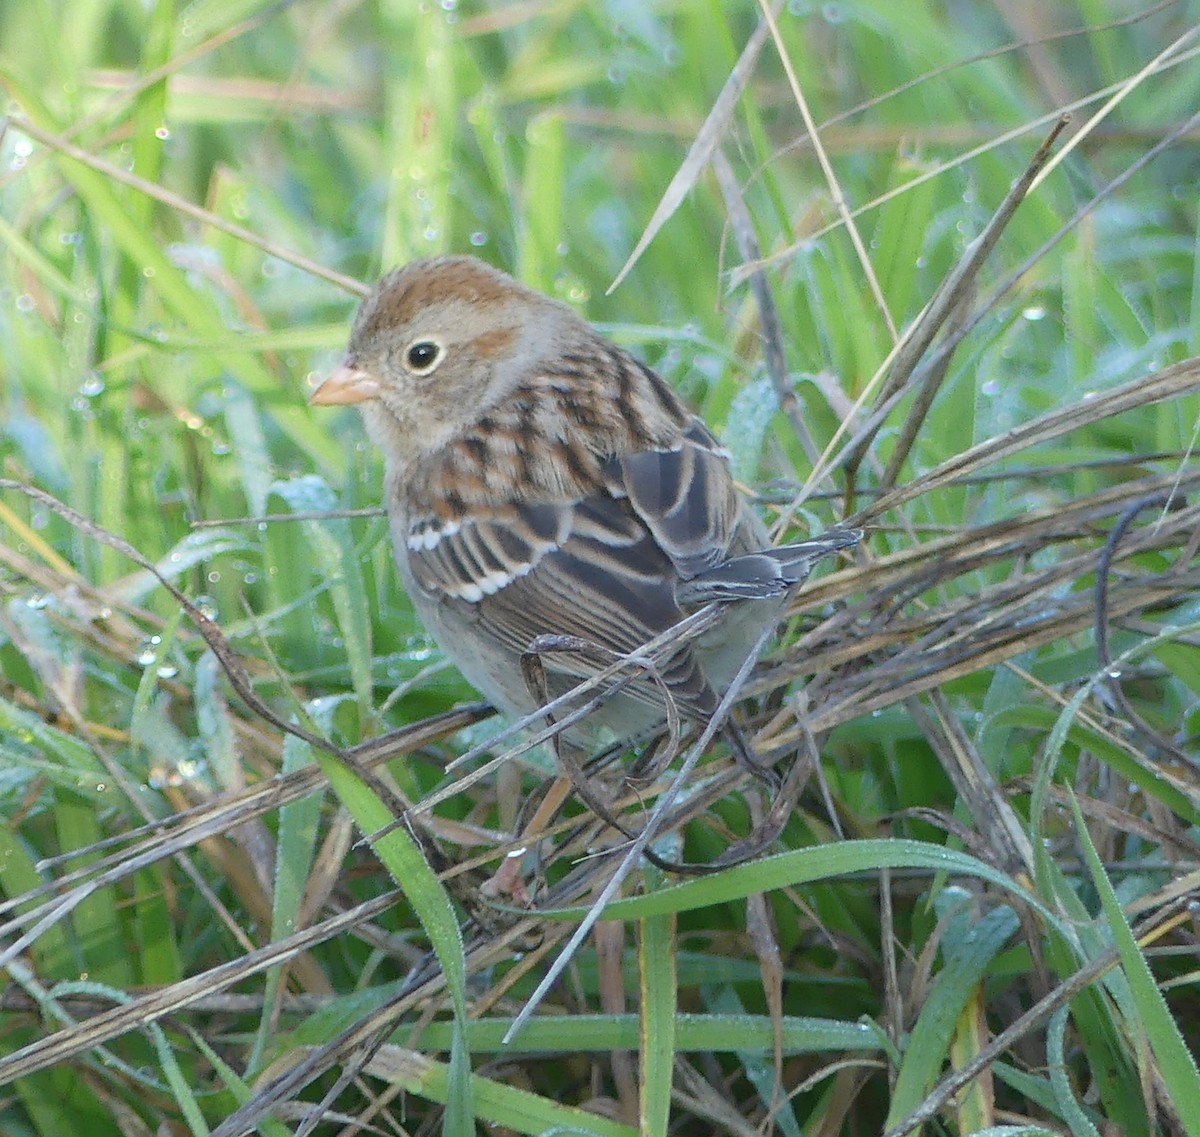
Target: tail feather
{"type": "Point", "coordinates": [765, 574]}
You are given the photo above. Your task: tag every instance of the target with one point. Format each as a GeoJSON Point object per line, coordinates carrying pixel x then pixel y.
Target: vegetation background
{"type": "Point", "coordinates": [978, 916]}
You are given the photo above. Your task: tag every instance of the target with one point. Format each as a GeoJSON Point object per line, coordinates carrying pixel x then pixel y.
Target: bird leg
{"type": "Point", "coordinates": [744, 756]}
{"type": "Point", "coordinates": [566, 753]}
{"type": "Point", "coordinates": [508, 880]}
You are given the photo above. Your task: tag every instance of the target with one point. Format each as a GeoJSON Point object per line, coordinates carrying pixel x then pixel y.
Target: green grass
{"type": "Point", "coordinates": [157, 339]}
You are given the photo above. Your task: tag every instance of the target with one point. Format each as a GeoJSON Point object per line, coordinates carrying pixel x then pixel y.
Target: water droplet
{"type": "Point", "coordinates": [1034, 312]}
{"type": "Point", "coordinates": [37, 601]}
{"type": "Point", "coordinates": [478, 238]}
{"type": "Point", "coordinates": [93, 385]}
{"type": "Point", "coordinates": [25, 302]}
{"type": "Point", "coordinates": [162, 133]}
{"type": "Point", "coordinates": [167, 671]}
{"type": "Point", "coordinates": [207, 605]}
{"type": "Point", "coordinates": [148, 652]}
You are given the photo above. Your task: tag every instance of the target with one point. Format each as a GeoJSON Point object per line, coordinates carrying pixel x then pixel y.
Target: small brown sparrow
{"type": "Point", "coordinates": [540, 480]}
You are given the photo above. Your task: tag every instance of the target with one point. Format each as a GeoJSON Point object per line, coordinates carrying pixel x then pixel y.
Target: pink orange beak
{"type": "Point", "coordinates": [345, 385]}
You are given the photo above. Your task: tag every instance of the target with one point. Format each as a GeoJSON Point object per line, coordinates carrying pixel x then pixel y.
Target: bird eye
{"type": "Point", "coordinates": [423, 356]}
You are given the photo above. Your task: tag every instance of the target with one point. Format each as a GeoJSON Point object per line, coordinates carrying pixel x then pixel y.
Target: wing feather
{"type": "Point", "coordinates": [687, 499]}
{"type": "Point", "coordinates": [596, 572]}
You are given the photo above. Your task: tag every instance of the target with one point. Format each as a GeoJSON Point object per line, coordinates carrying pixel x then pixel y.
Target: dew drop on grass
{"type": "Point", "coordinates": [478, 238]}
{"type": "Point", "coordinates": [1033, 313]}
{"type": "Point", "coordinates": [207, 606]}
{"type": "Point", "coordinates": [22, 148]}
{"type": "Point", "coordinates": [148, 652]}
{"type": "Point", "coordinates": [93, 385]}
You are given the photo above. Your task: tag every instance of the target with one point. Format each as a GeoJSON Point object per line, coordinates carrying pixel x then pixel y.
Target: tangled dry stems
{"type": "Point", "coordinates": [872, 636]}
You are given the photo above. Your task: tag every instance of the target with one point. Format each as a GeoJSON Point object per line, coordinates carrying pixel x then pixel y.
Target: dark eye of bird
{"type": "Point", "coordinates": [423, 354]}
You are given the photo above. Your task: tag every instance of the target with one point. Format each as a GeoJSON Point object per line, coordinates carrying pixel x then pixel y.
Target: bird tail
{"type": "Point", "coordinates": [765, 574]}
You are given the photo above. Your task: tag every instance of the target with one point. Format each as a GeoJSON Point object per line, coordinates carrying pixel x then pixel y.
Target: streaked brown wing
{"type": "Point", "coordinates": [592, 569]}
{"type": "Point", "coordinates": [476, 558]}
{"type": "Point", "coordinates": [686, 497]}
